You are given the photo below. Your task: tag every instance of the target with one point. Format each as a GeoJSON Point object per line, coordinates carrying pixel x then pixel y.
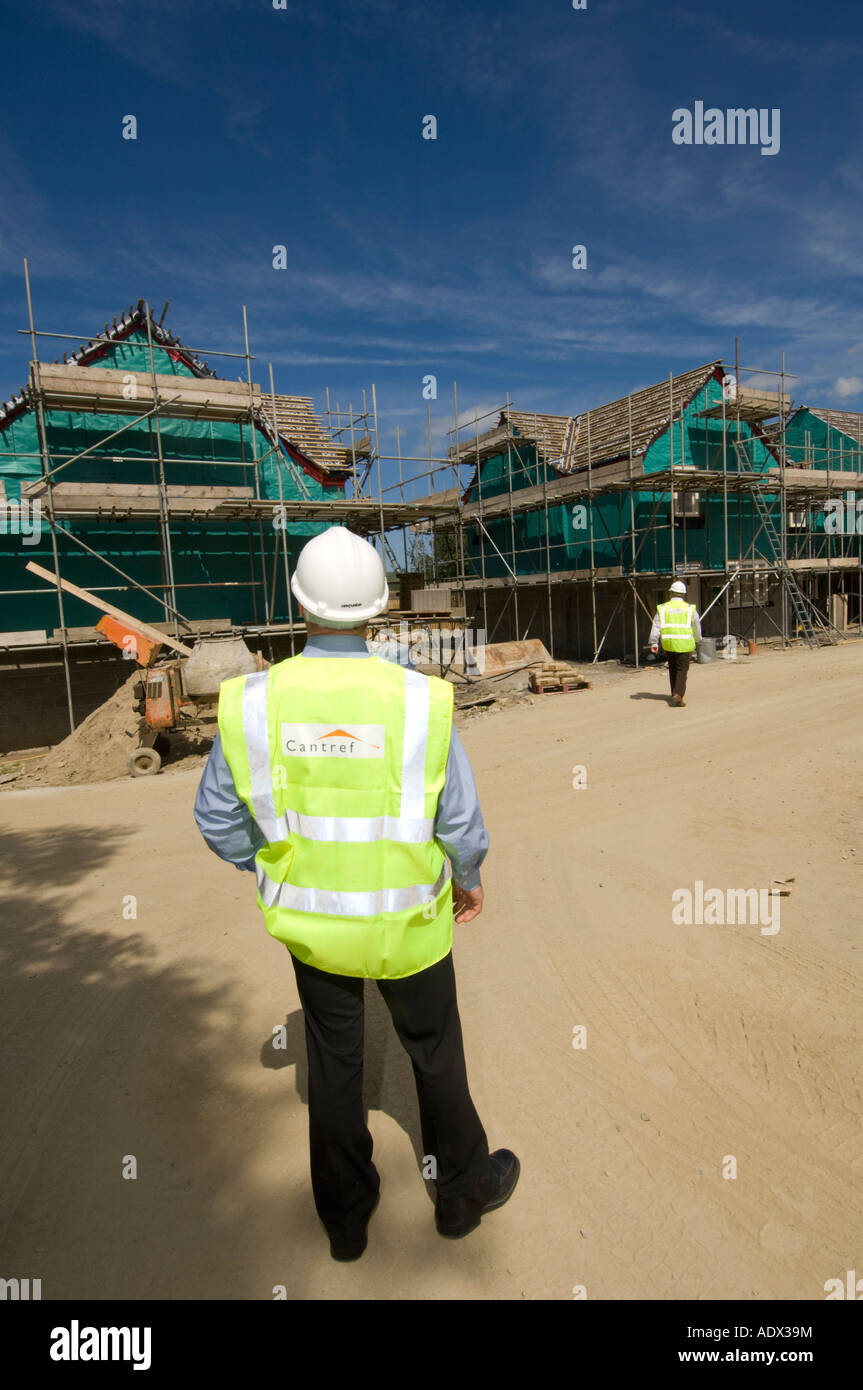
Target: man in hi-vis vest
{"type": "Point", "coordinates": [337, 777]}
{"type": "Point", "coordinates": [677, 626]}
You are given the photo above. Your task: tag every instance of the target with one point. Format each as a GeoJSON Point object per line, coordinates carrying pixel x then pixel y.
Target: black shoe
{"type": "Point", "coordinates": [347, 1246]}
{"type": "Point", "coordinates": [458, 1216]}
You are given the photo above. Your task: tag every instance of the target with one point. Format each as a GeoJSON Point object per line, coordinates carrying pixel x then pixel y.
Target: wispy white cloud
{"type": "Point", "coordinates": [775, 48]}
{"type": "Point", "coordinates": [168, 40]}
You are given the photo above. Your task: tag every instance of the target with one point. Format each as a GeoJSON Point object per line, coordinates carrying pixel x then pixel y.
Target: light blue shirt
{"type": "Point", "coordinates": [231, 831]}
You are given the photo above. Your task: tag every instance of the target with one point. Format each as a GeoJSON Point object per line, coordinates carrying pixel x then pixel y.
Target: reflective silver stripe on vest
{"type": "Point", "coordinates": [354, 829]}
{"type": "Point", "coordinates": [411, 827]}
{"type": "Point", "coordinates": [675, 620]}
{"type": "Point", "coordinates": [258, 749]}
{"type": "Point", "coordinates": [417, 700]}
{"type": "Point", "coordinates": [325, 901]}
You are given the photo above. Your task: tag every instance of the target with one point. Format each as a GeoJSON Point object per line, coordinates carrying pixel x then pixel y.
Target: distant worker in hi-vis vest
{"type": "Point", "coordinates": [678, 627]}
{"type": "Point", "coordinates": [338, 779]}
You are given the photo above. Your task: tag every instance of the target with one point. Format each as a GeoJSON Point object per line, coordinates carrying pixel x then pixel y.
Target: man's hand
{"type": "Point", "coordinates": [654, 649]}
{"type": "Point", "coordinates": [467, 903]}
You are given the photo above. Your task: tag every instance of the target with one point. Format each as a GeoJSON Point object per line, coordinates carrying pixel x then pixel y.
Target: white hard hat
{"type": "Point", "coordinates": [340, 579]}
{"type": "Point", "coordinates": [678, 587]}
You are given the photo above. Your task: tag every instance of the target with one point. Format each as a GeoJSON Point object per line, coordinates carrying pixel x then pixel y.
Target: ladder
{"type": "Point", "coordinates": [815, 630]}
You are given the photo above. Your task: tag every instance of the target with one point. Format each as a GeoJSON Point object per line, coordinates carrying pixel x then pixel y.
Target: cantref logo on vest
{"type": "Point", "coordinates": [329, 741]}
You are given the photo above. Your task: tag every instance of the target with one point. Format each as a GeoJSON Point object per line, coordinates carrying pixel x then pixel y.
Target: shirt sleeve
{"type": "Point", "coordinates": [223, 819]}
{"type": "Point", "coordinates": [459, 825]}
{"type": "Point", "coordinates": [696, 625]}
{"type": "Point", "coordinates": [653, 639]}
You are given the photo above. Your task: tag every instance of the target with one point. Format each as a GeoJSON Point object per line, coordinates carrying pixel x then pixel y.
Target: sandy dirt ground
{"type": "Point", "coordinates": [151, 1035]}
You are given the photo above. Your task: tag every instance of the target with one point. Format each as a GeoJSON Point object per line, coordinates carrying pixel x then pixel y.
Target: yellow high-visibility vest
{"type": "Point", "coordinates": [675, 625]}
{"type": "Point", "coordinates": [341, 763]}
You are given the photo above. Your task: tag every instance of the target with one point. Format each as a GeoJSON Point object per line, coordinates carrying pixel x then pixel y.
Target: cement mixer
{"type": "Point", "coordinates": [180, 695]}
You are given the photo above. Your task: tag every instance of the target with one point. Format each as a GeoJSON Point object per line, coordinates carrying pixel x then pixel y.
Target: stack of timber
{"type": "Point", "coordinates": [552, 676]}
{"type": "Point", "coordinates": [297, 422]}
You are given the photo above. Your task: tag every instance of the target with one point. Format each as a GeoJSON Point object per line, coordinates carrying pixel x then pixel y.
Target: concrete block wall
{"type": "Point", "coordinates": [570, 616]}
{"type": "Point", "coordinates": [33, 707]}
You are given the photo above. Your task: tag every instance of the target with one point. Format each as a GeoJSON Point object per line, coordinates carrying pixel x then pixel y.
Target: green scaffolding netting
{"type": "Point", "coordinates": [226, 555]}
{"type": "Point", "coordinates": [527, 546]}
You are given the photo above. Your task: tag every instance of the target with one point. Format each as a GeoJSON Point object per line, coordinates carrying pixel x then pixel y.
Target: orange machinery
{"type": "Point", "coordinates": [179, 691]}
{"type": "Point", "coordinates": [160, 696]}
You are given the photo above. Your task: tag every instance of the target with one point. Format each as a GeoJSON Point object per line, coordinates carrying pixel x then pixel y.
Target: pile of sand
{"type": "Point", "coordinates": [98, 749]}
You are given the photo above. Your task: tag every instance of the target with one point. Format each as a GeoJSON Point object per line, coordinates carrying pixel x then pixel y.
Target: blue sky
{"type": "Point", "coordinates": [302, 126]}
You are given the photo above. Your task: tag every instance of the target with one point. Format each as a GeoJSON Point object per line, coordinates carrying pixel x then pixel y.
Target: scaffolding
{"type": "Point", "coordinates": [776, 552]}
{"type": "Point", "coordinates": [433, 520]}
{"type": "Point", "coordinates": [274, 426]}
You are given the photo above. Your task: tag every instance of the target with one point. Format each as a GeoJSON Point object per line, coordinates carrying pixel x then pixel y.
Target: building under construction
{"type": "Point", "coordinates": [182, 497]}
{"type": "Point", "coordinates": [569, 528]}
{"type": "Point", "coordinates": [132, 474]}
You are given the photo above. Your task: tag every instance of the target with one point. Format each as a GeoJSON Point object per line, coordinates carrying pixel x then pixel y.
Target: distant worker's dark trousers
{"type": "Point", "coordinates": [678, 666]}
{"type": "Point", "coordinates": [424, 1011]}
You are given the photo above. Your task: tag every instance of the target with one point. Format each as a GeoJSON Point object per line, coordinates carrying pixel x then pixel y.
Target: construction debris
{"type": "Point", "coordinates": [781, 887]}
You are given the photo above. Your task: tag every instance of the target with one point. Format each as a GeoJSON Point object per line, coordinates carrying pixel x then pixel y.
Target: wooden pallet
{"type": "Point", "coordinates": [553, 676]}
{"type": "Point", "coordinates": [547, 685]}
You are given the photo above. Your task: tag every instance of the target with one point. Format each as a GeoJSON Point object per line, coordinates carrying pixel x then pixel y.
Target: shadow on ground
{"type": "Point", "coordinates": [107, 1056]}
{"type": "Point", "coordinates": [388, 1079]}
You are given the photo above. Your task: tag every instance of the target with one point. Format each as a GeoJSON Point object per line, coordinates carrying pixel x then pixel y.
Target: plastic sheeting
{"type": "Point", "coordinates": [697, 442]}
{"type": "Point", "coordinates": [227, 555]}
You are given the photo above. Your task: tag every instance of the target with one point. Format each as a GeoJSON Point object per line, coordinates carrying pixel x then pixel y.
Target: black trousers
{"type": "Point", "coordinates": [424, 1011]}
{"type": "Point", "coordinates": [678, 666]}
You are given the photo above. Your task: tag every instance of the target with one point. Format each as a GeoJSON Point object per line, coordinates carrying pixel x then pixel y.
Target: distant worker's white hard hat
{"type": "Point", "coordinates": [340, 579]}
{"type": "Point", "coordinates": [677, 587]}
